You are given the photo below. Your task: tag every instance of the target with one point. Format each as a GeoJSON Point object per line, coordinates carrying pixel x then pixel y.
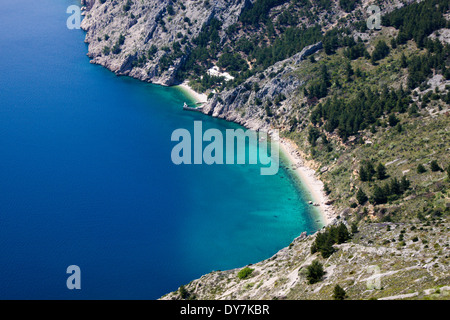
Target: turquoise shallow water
{"type": "Point", "coordinates": [86, 177]}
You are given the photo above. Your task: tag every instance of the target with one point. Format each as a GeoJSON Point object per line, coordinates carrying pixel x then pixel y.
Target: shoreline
{"type": "Point", "coordinates": [306, 175]}
{"type": "Point", "coordinates": [191, 93]}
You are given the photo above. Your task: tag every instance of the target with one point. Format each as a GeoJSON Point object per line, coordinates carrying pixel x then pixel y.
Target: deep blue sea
{"type": "Point", "coordinates": [86, 177]}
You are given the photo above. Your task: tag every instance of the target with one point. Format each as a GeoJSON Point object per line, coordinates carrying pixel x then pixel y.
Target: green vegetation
{"type": "Point", "coordinates": [417, 21]}
{"type": "Point", "coordinates": [381, 51]}
{"type": "Point", "coordinates": [325, 240]}
{"type": "Point", "coordinates": [359, 113]}
{"type": "Point", "coordinates": [354, 228]}
{"type": "Point", "coordinates": [339, 293]}
{"type": "Point", "coordinates": [381, 172]}
{"type": "Point", "coordinates": [390, 191]}
{"type": "Point", "coordinates": [106, 50]}
{"type": "Point", "coordinates": [348, 5]}
{"type": "Point", "coordinates": [116, 49]}
{"type": "Point", "coordinates": [232, 62]}
{"type": "Point", "coordinates": [258, 11]}
{"type": "Point", "coordinates": [170, 10]}
{"type": "Point", "coordinates": [366, 171]}
{"type": "Point", "coordinates": [183, 292]}
{"type": "Point", "coordinates": [314, 272]}
{"type": "Point", "coordinates": [245, 273]}
{"type": "Point", "coordinates": [361, 197]}
{"type": "Point", "coordinates": [127, 5]}
{"type": "Point", "coordinates": [421, 169]}
{"type": "Point", "coordinates": [434, 166]}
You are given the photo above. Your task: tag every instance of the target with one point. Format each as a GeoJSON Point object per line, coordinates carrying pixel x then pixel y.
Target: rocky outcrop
{"type": "Point", "coordinates": [144, 24]}
{"type": "Point", "coordinates": [245, 106]}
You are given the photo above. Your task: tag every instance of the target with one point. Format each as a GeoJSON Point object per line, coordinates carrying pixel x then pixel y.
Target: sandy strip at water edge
{"type": "Point", "coordinates": [308, 177]}
{"type": "Point", "coordinates": [196, 96]}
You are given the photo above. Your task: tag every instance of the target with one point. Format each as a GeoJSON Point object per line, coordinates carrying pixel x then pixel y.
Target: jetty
{"type": "Point", "coordinates": [193, 107]}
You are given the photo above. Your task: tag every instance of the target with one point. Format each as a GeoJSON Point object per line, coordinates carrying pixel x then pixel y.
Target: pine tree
{"type": "Point", "coordinates": [327, 249]}
{"type": "Point", "coordinates": [421, 168]}
{"type": "Point", "coordinates": [349, 71]}
{"type": "Point", "coordinates": [339, 293]}
{"type": "Point", "coordinates": [434, 166]}
{"type": "Point", "coordinates": [361, 197]}
{"type": "Point", "coordinates": [363, 176]}
{"type": "Point", "coordinates": [370, 170]}
{"type": "Point", "coordinates": [379, 195]}
{"type": "Point", "coordinates": [315, 272]}
{"type": "Point", "coordinates": [381, 172]}
{"type": "Point", "coordinates": [404, 184]}
{"type": "Point", "coordinates": [184, 294]}
{"type": "Point", "coordinates": [403, 61]}
{"type": "Point", "coordinates": [394, 187]}
{"type": "Point", "coordinates": [342, 234]}
{"type": "Point", "coordinates": [393, 120]}
{"type": "Point", "coordinates": [381, 51]}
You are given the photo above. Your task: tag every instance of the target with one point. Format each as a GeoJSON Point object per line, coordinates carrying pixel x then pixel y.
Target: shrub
{"type": "Point", "coordinates": [325, 240]}
{"type": "Point", "coordinates": [183, 292]}
{"type": "Point", "coordinates": [327, 190]}
{"type": "Point", "coordinates": [381, 51]}
{"type": "Point", "coordinates": [379, 195]}
{"type": "Point", "coordinates": [315, 272]}
{"type": "Point", "coordinates": [170, 10]}
{"type": "Point", "coordinates": [127, 6]}
{"type": "Point", "coordinates": [381, 172]}
{"type": "Point", "coordinates": [393, 120]}
{"type": "Point", "coordinates": [245, 273]}
{"type": "Point", "coordinates": [106, 50]}
{"type": "Point", "coordinates": [361, 197]}
{"type": "Point", "coordinates": [366, 171]}
{"type": "Point", "coordinates": [354, 227]}
{"type": "Point", "coordinates": [434, 166]}
{"type": "Point", "coordinates": [421, 168]}
{"type": "Point", "coordinates": [339, 293]}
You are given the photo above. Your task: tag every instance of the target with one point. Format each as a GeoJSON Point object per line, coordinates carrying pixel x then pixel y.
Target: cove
{"type": "Point", "coordinates": [86, 177]}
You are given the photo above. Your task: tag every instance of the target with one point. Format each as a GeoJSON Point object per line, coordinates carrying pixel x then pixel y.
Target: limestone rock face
{"type": "Point", "coordinates": [144, 24]}
{"type": "Point", "coordinates": [246, 107]}
{"type": "Point", "coordinates": [88, 3]}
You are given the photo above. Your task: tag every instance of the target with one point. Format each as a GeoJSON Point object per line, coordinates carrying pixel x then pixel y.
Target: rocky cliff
{"type": "Point", "coordinates": [148, 29]}
{"type": "Point", "coordinates": [243, 104]}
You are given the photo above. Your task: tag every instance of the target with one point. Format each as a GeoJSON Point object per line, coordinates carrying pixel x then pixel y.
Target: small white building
{"type": "Point", "coordinates": [215, 71]}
